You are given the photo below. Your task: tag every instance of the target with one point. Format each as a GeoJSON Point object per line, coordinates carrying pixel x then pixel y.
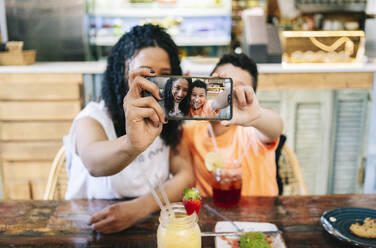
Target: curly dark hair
{"type": "Point", "coordinates": [243, 61]}
{"type": "Point", "coordinates": [115, 82]}
{"type": "Point", "coordinates": [169, 98]}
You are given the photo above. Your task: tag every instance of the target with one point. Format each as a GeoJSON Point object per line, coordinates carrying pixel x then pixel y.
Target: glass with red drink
{"type": "Point", "coordinates": [227, 185]}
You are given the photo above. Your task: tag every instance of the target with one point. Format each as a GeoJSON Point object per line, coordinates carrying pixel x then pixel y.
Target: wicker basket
{"type": "Point", "coordinates": [322, 46]}
{"type": "Point", "coordinates": [18, 58]}
{"type": "Point", "coordinates": [15, 46]}
{"type": "Point", "coordinates": [15, 55]}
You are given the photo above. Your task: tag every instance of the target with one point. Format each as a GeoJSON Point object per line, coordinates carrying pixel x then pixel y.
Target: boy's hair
{"type": "Point", "coordinates": [198, 84]}
{"type": "Point", "coordinates": [242, 61]}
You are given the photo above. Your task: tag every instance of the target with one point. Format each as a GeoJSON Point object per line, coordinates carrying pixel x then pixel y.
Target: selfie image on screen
{"type": "Point", "coordinates": [195, 97]}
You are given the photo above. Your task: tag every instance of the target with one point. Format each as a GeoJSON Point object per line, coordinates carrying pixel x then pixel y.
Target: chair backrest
{"type": "Point", "coordinates": [290, 173]}
{"type": "Point", "coordinates": [278, 150]}
{"type": "Point", "coordinates": [58, 178]}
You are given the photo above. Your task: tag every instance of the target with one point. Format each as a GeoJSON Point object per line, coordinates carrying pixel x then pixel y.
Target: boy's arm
{"type": "Point", "coordinates": [247, 112]}
{"type": "Point", "coordinates": [269, 125]}
{"type": "Point", "coordinates": [221, 101]}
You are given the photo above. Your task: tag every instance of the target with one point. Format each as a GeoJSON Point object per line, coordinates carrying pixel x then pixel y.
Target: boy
{"type": "Point", "coordinates": [249, 138]}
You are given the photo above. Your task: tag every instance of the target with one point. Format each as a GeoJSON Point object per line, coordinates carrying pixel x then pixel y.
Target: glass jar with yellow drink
{"type": "Point", "coordinates": [178, 230]}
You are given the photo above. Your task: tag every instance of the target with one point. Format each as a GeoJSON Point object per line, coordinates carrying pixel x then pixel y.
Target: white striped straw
{"type": "Point", "coordinates": [165, 198]}
{"type": "Point", "coordinates": [153, 192]}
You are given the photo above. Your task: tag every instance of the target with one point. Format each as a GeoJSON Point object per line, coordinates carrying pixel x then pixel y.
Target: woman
{"type": "Point", "coordinates": [113, 146]}
{"type": "Point", "coordinates": [175, 101]}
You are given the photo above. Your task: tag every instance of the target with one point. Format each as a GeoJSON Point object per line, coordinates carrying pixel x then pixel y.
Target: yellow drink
{"type": "Point", "coordinates": [178, 231]}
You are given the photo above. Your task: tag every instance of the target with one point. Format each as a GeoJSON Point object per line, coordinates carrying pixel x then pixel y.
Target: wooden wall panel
{"type": "Point", "coordinates": [34, 131]}
{"type": "Point", "coordinates": [39, 91]}
{"type": "Point", "coordinates": [17, 189]}
{"type": "Point", "coordinates": [36, 111]}
{"type": "Point", "coordinates": [29, 151]}
{"type": "Point", "coordinates": [41, 78]}
{"type": "Point", "coordinates": [27, 170]}
{"type": "Point", "coordinates": [31, 111]}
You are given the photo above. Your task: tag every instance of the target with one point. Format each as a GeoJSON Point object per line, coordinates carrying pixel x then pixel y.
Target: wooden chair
{"type": "Point", "coordinates": [58, 178]}
{"type": "Point", "coordinates": [289, 171]}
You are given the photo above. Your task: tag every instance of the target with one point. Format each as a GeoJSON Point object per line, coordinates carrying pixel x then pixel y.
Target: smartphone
{"type": "Point", "coordinates": [195, 98]}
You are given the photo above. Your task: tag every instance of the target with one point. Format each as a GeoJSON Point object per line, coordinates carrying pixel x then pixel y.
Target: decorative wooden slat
{"type": "Point", "coordinates": [34, 131]}
{"type": "Point", "coordinates": [350, 116]}
{"type": "Point", "coordinates": [39, 91]}
{"type": "Point", "coordinates": [17, 111]}
{"type": "Point", "coordinates": [26, 170]}
{"type": "Point", "coordinates": [308, 140]}
{"type": "Point", "coordinates": [340, 80]}
{"type": "Point", "coordinates": [29, 151]}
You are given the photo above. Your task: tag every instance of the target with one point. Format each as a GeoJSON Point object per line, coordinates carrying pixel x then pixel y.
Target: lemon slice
{"type": "Point", "coordinates": [213, 160]}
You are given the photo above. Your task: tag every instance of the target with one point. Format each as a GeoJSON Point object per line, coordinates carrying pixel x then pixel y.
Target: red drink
{"type": "Point", "coordinates": [227, 185]}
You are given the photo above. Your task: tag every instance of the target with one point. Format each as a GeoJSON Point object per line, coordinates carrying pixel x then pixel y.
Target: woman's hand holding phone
{"type": "Point", "coordinates": [143, 115]}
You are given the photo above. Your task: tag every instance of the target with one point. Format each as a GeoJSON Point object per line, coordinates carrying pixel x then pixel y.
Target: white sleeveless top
{"type": "Point", "coordinates": [130, 182]}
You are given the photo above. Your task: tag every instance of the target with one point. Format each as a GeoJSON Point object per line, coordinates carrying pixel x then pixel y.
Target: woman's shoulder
{"type": "Point", "coordinates": [95, 106]}
{"type": "Point", "coordinates": [96, 110]}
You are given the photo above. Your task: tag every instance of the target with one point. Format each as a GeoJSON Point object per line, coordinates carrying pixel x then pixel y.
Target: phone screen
{"type": "Point", "coordinates": [195, 98]}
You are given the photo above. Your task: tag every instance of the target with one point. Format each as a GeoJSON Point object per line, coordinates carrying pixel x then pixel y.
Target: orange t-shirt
{"type": "Point", "coordinates": [205, 111]}
{"type": "Point", "coordinates": [258, 166]}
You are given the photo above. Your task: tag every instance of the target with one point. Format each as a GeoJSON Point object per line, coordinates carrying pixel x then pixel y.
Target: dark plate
{"type": "Point", "coordinates": [338, 221]}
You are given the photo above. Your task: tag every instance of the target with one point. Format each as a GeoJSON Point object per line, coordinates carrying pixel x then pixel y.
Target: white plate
{"type": "Point", "coordinates": [225, 226]}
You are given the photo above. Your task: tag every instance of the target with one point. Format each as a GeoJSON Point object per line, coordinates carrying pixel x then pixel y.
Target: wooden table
{"type": "Point", "coordinates": [63, 223]}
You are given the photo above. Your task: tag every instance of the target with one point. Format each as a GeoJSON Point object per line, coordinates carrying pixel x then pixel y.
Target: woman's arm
{"type": "Point", "coordinates": [122, 215]}
{"type": "Point", "coordinates": [99, 155]}
{"type": "Point", "coordinates": [144, 120]}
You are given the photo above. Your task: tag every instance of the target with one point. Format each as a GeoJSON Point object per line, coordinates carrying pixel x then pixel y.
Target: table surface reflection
{"type": "Point", "coordinates": [64, 223]}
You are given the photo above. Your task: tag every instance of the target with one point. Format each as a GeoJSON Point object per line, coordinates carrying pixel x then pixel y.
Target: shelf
{"type": "Point", "coordinates": [326, 8]}
{"type": "Point", "coordinates": [180, 41]}
{"type": "Point", "coordinates": [202, 41]}
{"type": "Point", "coordinates": [161, 12]}
{"type": "Point", "coordinates": [104, 41]}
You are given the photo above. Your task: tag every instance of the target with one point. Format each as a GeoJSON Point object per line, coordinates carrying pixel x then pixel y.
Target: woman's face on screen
{"type": "Point", "coordinates": [179, 89]}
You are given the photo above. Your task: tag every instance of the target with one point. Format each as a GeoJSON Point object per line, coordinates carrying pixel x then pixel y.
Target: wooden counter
{"type": "Point", "coordinates": [64, 223]}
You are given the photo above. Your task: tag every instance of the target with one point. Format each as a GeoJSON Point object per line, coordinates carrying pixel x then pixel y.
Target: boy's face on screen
{"type": "Point", "coordinates": [198, 97]}
{"type": "Point", "coordinates": [238, 75]}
